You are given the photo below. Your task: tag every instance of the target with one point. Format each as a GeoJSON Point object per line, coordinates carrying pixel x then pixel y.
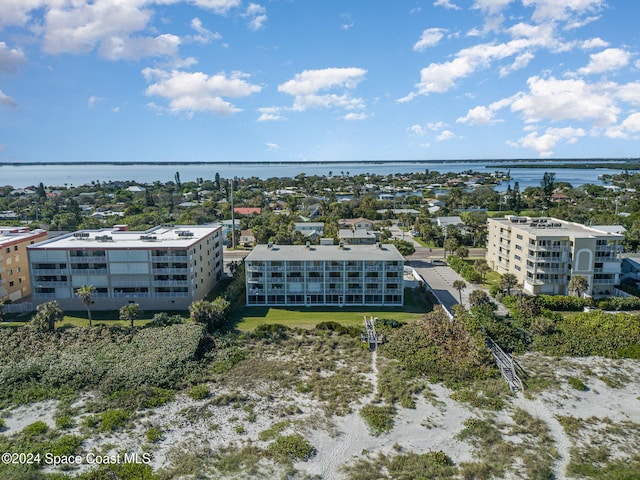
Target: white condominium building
{"type": "Point", "coordinates": [334, 275]}
{"type": "Point", "coordinates": [164, 268]}
{"type": "Point", "coordinates": [543, 253]}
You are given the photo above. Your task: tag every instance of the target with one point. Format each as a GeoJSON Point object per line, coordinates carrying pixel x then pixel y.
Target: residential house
{"type": "Point", "coordinates": [15, 282]}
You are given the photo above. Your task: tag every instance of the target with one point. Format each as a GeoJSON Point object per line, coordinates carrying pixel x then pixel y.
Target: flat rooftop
{"type": "Point", "coordinates": [553, 227]}
{"type": "Point", "coordinates": [12, 234]}
{"type": "Point", "coordinates": [386, 252]}
{"type": "Point", "coordinates": [175, 237]}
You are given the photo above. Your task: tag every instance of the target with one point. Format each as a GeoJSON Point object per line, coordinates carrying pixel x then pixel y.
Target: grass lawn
{"type": "Point", "coordinates": [248, 318]}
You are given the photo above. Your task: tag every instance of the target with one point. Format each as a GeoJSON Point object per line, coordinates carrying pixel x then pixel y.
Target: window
{"type": "Point", "coordinates": [518, 268]}
{"type": "Point", "coordinates": [15, 248]}
{"type": "Point", "coordinates": [519, 237]}
{"type": "Point", "coordinates": [8, 250]}
{"type": "Point", "coordinates": [518, 258]}
{"type": "Point", "coordinates": [519, 247]}
{"type": "Point", "coordinates": [11, 284]}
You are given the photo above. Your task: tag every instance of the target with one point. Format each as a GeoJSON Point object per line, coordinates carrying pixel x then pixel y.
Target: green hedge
{"type": "Point", "coordinates": [563, 303]}
{"type": "Point", "coordinates": [619, 303]}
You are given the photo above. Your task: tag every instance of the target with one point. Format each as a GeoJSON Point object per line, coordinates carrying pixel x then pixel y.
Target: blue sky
{"type": "Point", "coordinates": [309, 80]}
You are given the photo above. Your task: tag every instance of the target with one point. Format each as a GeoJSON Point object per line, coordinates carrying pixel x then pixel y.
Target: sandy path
{"type": "Point", "coordinates": [538, 409]}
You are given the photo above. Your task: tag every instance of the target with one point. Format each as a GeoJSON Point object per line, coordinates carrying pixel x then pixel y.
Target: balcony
{"type": "Point", "coordinates": [291, 268]}
{"type": "Point", "coordinates": [259, 279]}
{"type": "Point", "coordinates": [131, 295]}
{"type": "Point", "coordinates": [543, 269]}
{"type": "Point", "coordinates": [50, 271]}
{"type": "Point", "coordinates": [88, 259]}
{"type": "Point", "coordinates": [271, 268]}
{"type": "Point", "coordinates": [548, 248]}
{"type": "Point", "coordinates": [254, 268]}
{"type": "Point", "coordinates": [44, 295]}
{"type": "Point", "coordinates": [182, 271]}
{"type": "Point", "coordinates": [88, 271]}
{"type": "Point", "coordinates": [163, 283]}
{"type": "Point", "coordinates": [608, 248]}
{"type": "Point", "coordinates": [604, 281]}
{"type": "Point", "coordinates": [51, 283]}
{"type": "Point", "coordinates": [170, 295]}
{"type": "Point", "coordinates": [168, 258]}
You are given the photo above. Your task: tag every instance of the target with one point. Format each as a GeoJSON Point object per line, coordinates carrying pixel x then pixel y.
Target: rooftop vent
{"type": "Point", "coordinates": [341, 245]}
{"type": "Point", "coordinates": [270, 245]}
{"type": "Point", "coordinates": [378, 245]}
{"type": "Point", "coordinates": [104, 238]}
{"type": "Point", "coordinates": [148, 238]}
{"type": "Point", "coordinates": [307, 245]}
{"type": "Point", "coordinates": [184, 233]}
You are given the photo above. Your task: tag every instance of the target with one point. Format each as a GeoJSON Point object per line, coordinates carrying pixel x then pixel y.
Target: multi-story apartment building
{"type": "Point", "coordinates": [324, 275]}
{"type": "Point", "coordinates": [543, 253]}
{"type": "Point", "coordinates": [14, 266]}
{"type": "Point", "coordinates": [164, 268]}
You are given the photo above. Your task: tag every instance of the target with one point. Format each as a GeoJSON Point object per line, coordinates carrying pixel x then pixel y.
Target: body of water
{"type": "Point", "coordinates": [56, 175]}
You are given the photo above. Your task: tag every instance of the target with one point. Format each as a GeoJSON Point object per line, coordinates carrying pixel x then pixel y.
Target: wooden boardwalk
{"type": "Point", "coordinates": [507, 365]}
{"type": "Point", "coordinates": [371, 337]}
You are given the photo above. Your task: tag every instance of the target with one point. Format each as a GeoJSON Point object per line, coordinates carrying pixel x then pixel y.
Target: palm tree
{"type": "Point", "coordinates": [85, 293]}
{"type": "Point", "coordinates": [130, 312]}
{"type": "Point", "coordinates": [459, 285]}
{"type": "Point", "coordinates": [450, 245]}
{"type": "Point", "coordinates": [508, 281]}
{"type": "Point", "coordinates": [46, 317]}
{"type": "Point", "coordinates": [481, 267]}
{"type": "Point", "coordinates": [578, 284]}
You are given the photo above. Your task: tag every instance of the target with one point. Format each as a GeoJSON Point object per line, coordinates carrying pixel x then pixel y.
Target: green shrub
{"type": "Point", "coordinates": [199, 392]}
{"type": "Point", "coordinates": [620, 303]}
{"type": "Point", "coordinates": [379, 419]}
{"type": "Point", "coordinates": [291, 448]}
{"type": "Point", "coordinates": [64, 421]}
{"type": "Point", "coordinates": [35, 429]}
{"type": "Point", "coordinates": [154, 434]}
{"type": "Point", "coordinates": [114, 419]}
{"type": "Point", "coordinates": [563, 303]}
{"type": "Point", "coordinates": [3, 425]}
{"type": "Point", "coordinates": [577, 384]}
{"type": "Point", "coordinates": [273, 431]}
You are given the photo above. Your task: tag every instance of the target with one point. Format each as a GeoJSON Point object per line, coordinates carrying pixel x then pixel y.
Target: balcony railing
{"type": "Point", "coordinates": [88, 259]}
{"type": "Point", "coordinates": [168, 283]}
{"type": "Point", "coordinates": [171, 294]}
{"type": "Point", "coordinates": [170, 270]}
{"type": "Point", "coordinates": [44, 295]}
{"type": "Point", "coordinates": [548, 248]}
{"type": "Point", "coordinates": [50, 271]}
{"type": "Point", "coordinates": [608, 248]}
{"type": "Point", "coordinates": [604, 281]}
{"type": "Point", "coordinates": [168, 258]}
{"type": "Point", "coordinates": [88, 271]}
{"type": "Point", "coordinates": [52, 283]}
{"type": "Point", "coordinates": [131, 295]}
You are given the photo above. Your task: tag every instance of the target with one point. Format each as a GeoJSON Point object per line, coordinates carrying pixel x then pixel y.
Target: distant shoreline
{"type": "Point", "coordinates": [632, 163]}
{"type": "Point", "coordinates": [612, 164]}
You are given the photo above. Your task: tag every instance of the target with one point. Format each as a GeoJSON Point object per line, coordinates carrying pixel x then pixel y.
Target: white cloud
{"type": "Point", "coordinates": [629, 92]}
{"type": "Point", "coordinates": [631, 124]}
{"type": "Point", "coordinates": [425, 129]}
{"type": "Point", "coordinates": [445, 135]}
{"type": "Point", "coordinates": [17, 12]}
{"type": "Point", "coordinates": [440, 77]}
{"type": "Point", "coordinates": [7, 101]}
{"type": "Point", "coordinates": [429, 38]}
{"type": "Point", "coordinates": [417, 130]}
{"type": "Point", "coordinates": [272, 147]}
{"type": "Point", "coordinates": [607, 60]}
{"type": "Point", "coordinates": [356, 116]}
{"type": "Point", "coordinates": [492, 7]}
{"type": "Point", "coordinates": [446, 4]}
{"type": "Point", "coordinates": [204, 36]}
{"type": "Point", "coordinates": [220, 7]}
{"type": "Point", "coordinates": [192, 92]}
{"type": "Point", "coordinates": [123, 48]}
{"type": "Point", "coordinates": [566, 99]}
{"type": "Point", "coordinates": [11, 59]}
{"type": "Point", "coordinates": [478, 116]}
{"type": "Point", "coordinates": [544, 143]}
{"type": "Point", "coordinates": [93, 101]}
{"type": "Point", "coordinates": [257, 15]}
{"type": "Point", "coordinates": [305, 87]}
{"type": "Point", "coordinates": [563, 10]}
{"type": "Point", "coordinates": [519, 63]}
{"type": "Point", "coordinates": [269, 114]}
{"type": "Point", "coordinates": [596, 42]}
